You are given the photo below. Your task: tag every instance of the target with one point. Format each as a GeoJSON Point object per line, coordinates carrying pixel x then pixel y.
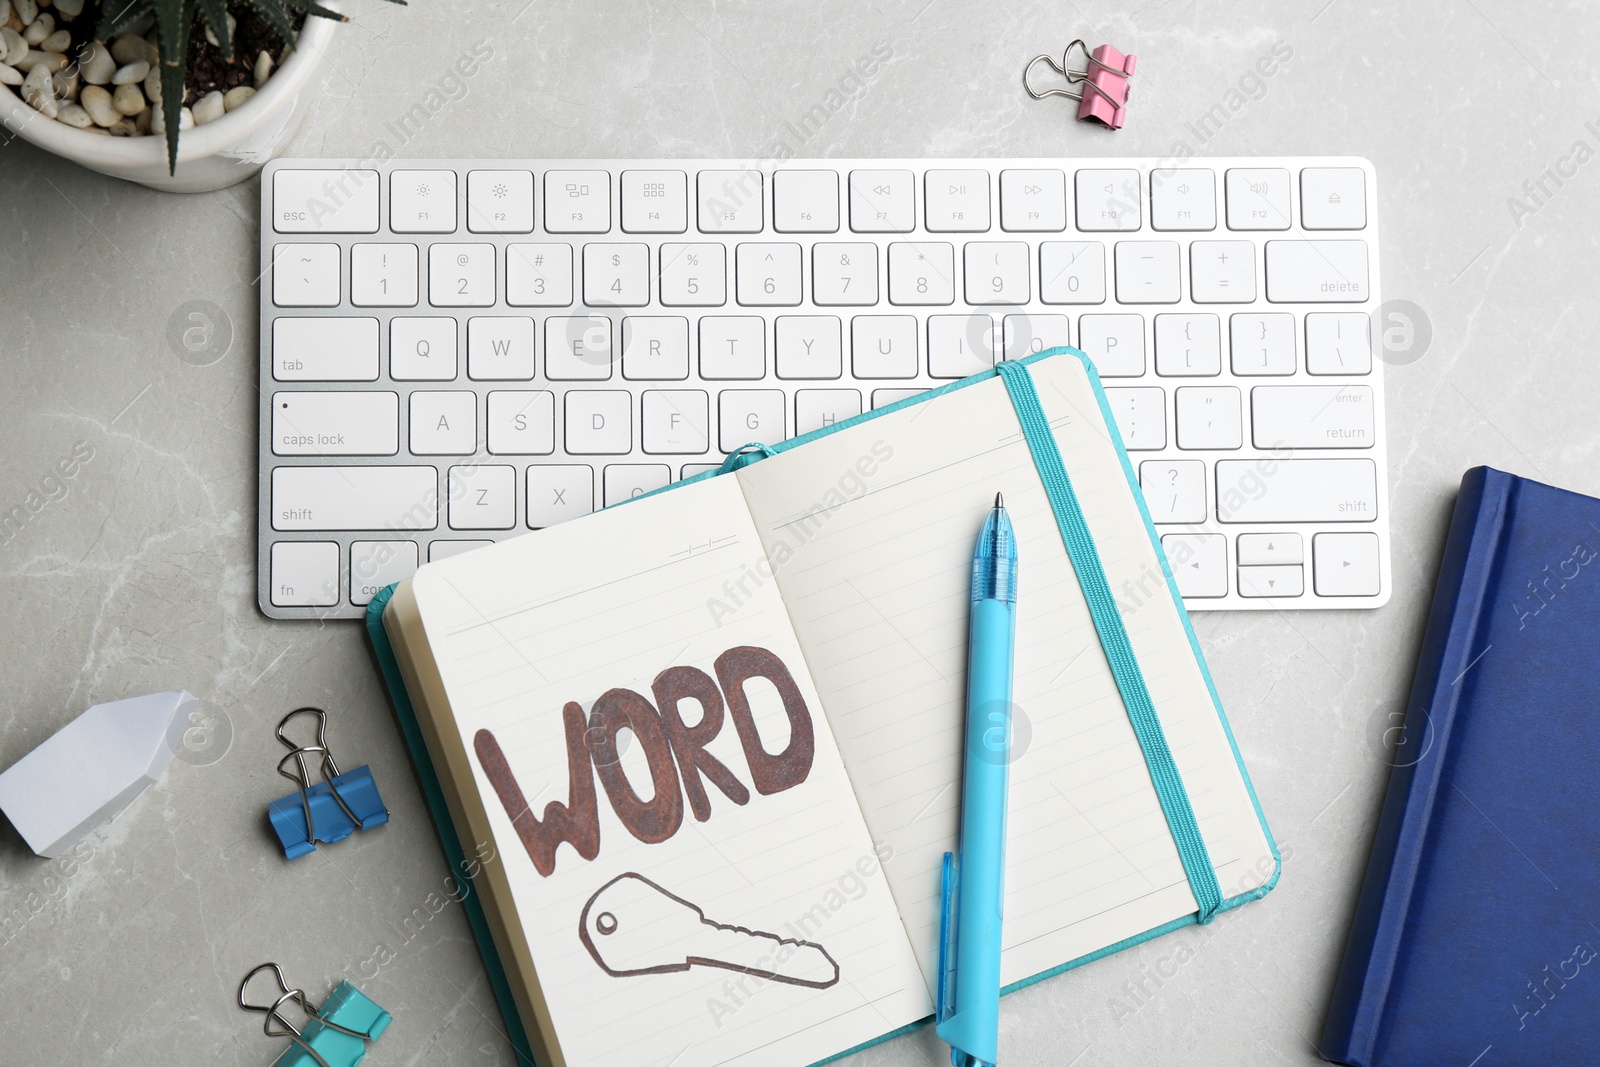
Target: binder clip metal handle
{"type": "Point", "coordinates": [1104, 78]}
{"type": "Point", "coordinates": [346, 1003]}
{"type": "Point", "coordinates": [329, 810]}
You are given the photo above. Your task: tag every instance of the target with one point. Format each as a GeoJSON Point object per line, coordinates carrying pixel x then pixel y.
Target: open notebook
{"type": "Point", "coordinates": [710, 740]}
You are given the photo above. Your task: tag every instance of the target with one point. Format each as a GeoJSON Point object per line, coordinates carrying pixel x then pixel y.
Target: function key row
{"type": "Point", "coordinates": [809, 201]}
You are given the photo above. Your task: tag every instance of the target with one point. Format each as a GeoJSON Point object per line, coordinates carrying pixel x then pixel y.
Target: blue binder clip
{"type": "Point", "coordinates": [332, 809]}
{"type": "Point", "coordinates": [334, 1035]}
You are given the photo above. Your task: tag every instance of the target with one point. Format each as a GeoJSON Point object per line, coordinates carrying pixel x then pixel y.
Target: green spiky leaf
{"type": "Point", "coordinates": [272, 11]}
{"type": "Point", "coordinates": [174, 19]}
{"type": "Point", "coordinates": [118, 15]}
{"type": "Point", "coordinates": [215, 14]}
{"type": "Point", "coordinates": [311, 7]}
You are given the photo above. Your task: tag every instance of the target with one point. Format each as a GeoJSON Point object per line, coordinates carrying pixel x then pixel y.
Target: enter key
{"type": "Point", "coordinates": [1312, 416]}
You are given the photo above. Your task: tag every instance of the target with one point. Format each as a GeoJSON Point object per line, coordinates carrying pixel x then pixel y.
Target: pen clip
{"type": "Point", "coordinates": [945, 1000]}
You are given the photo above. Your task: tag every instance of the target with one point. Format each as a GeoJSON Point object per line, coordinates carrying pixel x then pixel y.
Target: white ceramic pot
{"type": "Point", "coordinates": [213, 156]}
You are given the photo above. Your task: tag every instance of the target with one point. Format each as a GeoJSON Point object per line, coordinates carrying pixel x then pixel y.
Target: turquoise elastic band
{"type": "Point", "coordinates": [1085, 559]}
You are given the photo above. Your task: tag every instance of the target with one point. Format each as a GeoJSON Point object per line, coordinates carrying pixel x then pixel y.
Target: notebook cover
{"type": "Point", "coordinates": [1475, 939]}
{"type": "Point", "coordinates": [441, 815]}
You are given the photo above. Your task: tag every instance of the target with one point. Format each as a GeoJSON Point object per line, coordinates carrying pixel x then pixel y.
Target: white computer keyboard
{"type": "Point", "coordinates": [456, 351]}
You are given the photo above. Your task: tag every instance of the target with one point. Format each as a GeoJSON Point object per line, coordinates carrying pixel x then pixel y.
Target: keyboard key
{"type": "Point", "coordinates": [377, 564]}
{"type": "Point", "coordinates": [461, 275]}
{"type": "Point", "coordinates": [1072, 272]}
{"type": "Point", "coordinates": [577, 201]}
{"type": "Point", "coordinates": [305, 574]}
{"type": "Point", "coordinates": [689, 470]}
{"type": "Point", "coordinates": [616, 275]}
{"type": "Point", "coordinates": [624, 481]}
{"type": "Point", "coordinates": [1222, 272]}
{"type": "Point", "coordinates": [1114, 342]}
{"type": "Point", "coordinates": [1027, 334]}
{"type": "Point", "coordinates": [1312, 416]}
{"type": "Point", "coordinates": [335, 424]}
{"type": "Point", "coordinates": [883, 201]}
{"type": "Point", "coordinates": [808, 346]}
{"type": "Point", "coordinates": [1333, 198]}
{"type": "Point", "coordinates": [539, 275]}
{"type": "Point", "coordinates": [1209, 416]}
{"type": "Point", "coordinates": [1297, 490]}
{"type": "Point", "coordinates": [421, 350]}
{"type": "Point", "coordinates": [521, 422]}
{"type": "Point", "coordinates": [1174, 489]}
{"type": "Point", "coordinates": [1346, 564]}
{"type": "Point", "coordinates": [444, 424]}
{"type": "Point", "coordinates": [383, 275]}
{"type": "Point", "coordinates": [1033, 201]}
{"type": "Point", "coordinates": [1258, 199]}
{"type": "Point", "coordinates": [1338, 342]}
{"type": "Point", "coordinates": [676, 422]}
{"type": "Point", "coordinates": [422, 201]}
{"type": "Point", "coordinates": [483, 496]}
{"type": "Point", "coordinates": [1108, 200]}
{"type": "Point", "coordinates": [1147, 272]}
{"type": "Point", "coordinates": [996, 272]}
{"type": "Point", "coordinates": [959, 345]}
{"type": "Point", "coordinates": [957, 201]}
{"type": "Point", "coordinates": [325, 350]}
{"type": "Point", "coordinates": [577, 348]}
{"type": "Point", "coordinates": [1188, 345]}
{"type": "Point", "coordinates": [354, 498]}
{"type": "Point", "coordinates": [694, 275]}
{"type": "Point", "coordinates": [884, 346]}
{"type": "Point", "coordinates": [768, 274]}
{"type": "Point", "coordinates": [1325, 272]}
{"type": "Point", "coordinates": [805, 201]}
{"type": "Point", "coordinates": [599, 421]}
{"type": "Point", "coordinates": [655, 201]}
{"type": "Point", "coordinates": [733, 347]}
{"type": "Point", "coordinates": [306, 276]}
{"type": "Point", "coordinates": [750, 415]}
{"type": "Point", "coordinates": [1272, 581]}
{"type": "Point", "coordinates": [882, 398]}
{"type": "Point", "coordinates": [1183, 199]}
{"type": "Point", "coordinates": [500, 201]}
{"type": "Point", "coordinates": [730, 201]}
{"type": "Point", "coordinates": [921, 273]}
{"type": "Point", "coordinates": [558, 492]}
{"type": "Point", "coordinates": [844, 274]}
{"type": "Point", "coordinates": [655, 348]}
{"type": "Point", "coordinates": [1262, 343]}
{"type": "Point", "coordinates": [816, 409]}
{"type": "Point", "coordinates": [1199, 563]}
{"type": "Point", "coordinates": [500, 348]}
{"type": "Point", "coordinates": [325, 201]}
{"type": "Point", "coordinates": [1270, 549]}
{"type": "Point", "coordinates": [1141, 414]}
{"type": "Point", "coordinates": [446, 549]}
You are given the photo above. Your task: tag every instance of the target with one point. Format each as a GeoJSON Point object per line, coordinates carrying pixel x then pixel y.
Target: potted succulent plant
{"type": "Point", "coordinates": [180, 95]}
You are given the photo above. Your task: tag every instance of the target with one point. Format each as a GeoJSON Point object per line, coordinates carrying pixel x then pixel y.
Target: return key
{"type": "Point", "coordinates": [1312, 416]}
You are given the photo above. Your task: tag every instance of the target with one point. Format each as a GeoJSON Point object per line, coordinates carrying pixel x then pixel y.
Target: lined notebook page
{"type": "Point", "coordinates": [871, 530]}
{"type": "Point", "coordinates": [523, 627]}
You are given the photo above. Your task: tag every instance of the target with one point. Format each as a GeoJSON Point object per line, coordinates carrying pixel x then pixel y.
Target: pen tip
{"type": "Point", "coordinates": [999, 501]}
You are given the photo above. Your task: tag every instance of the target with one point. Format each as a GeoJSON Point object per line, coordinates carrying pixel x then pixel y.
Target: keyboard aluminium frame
{"type": "Point", "coordinates": [1264, 462]}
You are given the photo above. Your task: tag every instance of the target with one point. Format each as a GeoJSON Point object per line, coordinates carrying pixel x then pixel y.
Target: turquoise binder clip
{"type": "Point", "coordinates": [335, 1035]}
{"type": "Point", "coordinates": [328, 811]}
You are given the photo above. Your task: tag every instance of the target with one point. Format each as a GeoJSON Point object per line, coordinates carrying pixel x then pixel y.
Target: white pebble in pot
{"type": "Point", "coordinates": [96, 65]}
{"type": "Point", "coordinates": [15, 49]}
{"type": "Point", "coordinates": [97, 102]}
{"type": "Point", "coordinates": [10, 75]}
{"type": "Point", "coordinates": [236, 96]}
{"type": "Point", "coordinates": [39, 29]}
{"type": "Point", "coordinates": [69, 9]}
{"type": "Point", "coordinates": [209, 108]}
{"type": "Point", "coordinates": [74, 115]}
{"type": "Point", "coordinates": [27, 10]}
{"type": "Point", "coordinates": [133, 72]}
{"type": "Point", "coordinates": [128, 100]}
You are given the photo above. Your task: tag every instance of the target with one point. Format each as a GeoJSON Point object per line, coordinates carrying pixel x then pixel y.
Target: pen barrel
{"type": "Point", "coordinates": [983, 815]}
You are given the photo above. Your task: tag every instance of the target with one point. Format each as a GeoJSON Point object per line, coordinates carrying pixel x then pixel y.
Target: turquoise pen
{"type": "Point", "coordinates": [974, 885]}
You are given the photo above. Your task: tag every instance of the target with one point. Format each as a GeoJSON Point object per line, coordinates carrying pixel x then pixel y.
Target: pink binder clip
{"type": "Point", "coordinates": [1105, 76]}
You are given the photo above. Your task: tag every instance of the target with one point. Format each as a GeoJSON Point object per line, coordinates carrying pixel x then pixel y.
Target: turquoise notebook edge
{"type": "Point", "coordinates": [441, 815]}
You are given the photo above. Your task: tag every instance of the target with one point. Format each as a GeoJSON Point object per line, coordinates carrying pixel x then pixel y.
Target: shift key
{"type": "Point", "coordinates": [355, 498]}
{"type": "Point", "coordinates": [1297, 490]}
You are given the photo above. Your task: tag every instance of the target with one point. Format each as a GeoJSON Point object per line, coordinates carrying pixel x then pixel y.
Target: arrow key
{"type": "Point", "coordinates": [1272, 581]}
{"type": "Point", "coordinates": [1266, 549]}
{"type": "Point", "coordinates": [1346, 564]}
{"type": "Point", "coordinates": [1199, 563]}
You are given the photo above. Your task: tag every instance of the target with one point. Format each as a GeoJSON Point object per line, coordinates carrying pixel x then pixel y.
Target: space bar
{"type": "Point", "coordinates": [1297, 490]}
{"type": "Point", "coordinates": [355, 498]}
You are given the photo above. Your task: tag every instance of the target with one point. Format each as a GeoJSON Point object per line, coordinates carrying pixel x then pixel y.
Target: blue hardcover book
{"type": "Point", "coordinates": [1475, 941]}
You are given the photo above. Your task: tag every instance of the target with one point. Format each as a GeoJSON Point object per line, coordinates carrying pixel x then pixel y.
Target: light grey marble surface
{"type": "Point", "coordinates": [141, 576]}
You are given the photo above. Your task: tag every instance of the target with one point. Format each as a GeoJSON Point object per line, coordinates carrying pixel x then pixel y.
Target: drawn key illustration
{"type": "Point", "coordinates": [632, 926]}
